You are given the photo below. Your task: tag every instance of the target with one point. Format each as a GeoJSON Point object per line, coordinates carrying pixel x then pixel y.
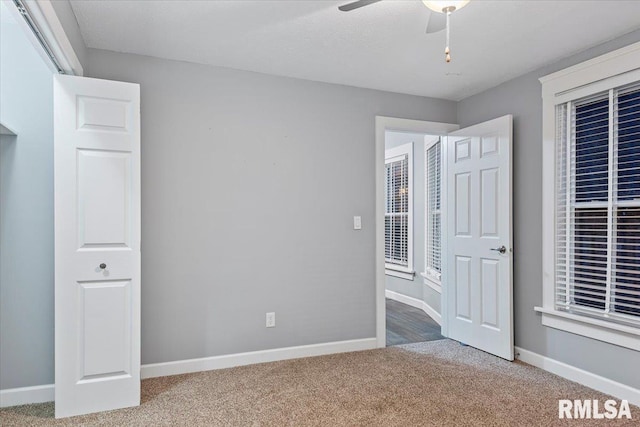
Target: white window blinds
{"type": "Point", "coordinates": [396, 217]}
{"type": "Point", "coordinates": [432, 178]}
{"type": "Point", "coordinates": [598, 205]}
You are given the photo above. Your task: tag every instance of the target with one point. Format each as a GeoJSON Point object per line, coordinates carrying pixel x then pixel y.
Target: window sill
{"type": "Point", "coordinates": [432, 282]}
{"type": "Point", "coordinates": [400, 272]}
{"type": "Point", "coordinates": [622, 335]}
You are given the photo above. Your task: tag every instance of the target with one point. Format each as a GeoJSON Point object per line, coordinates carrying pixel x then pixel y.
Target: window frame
{"type": "Point", "coordinates": [396, 270]}
{"type": "Point", "coordinates": [602, 73]}
{"type": "Point", "coordinates": [430, 278]}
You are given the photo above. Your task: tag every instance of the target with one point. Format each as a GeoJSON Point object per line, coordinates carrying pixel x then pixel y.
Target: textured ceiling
{"type": "Point", "coordinates": [382, 46]}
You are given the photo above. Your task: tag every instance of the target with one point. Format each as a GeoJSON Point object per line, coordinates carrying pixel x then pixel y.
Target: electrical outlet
{"type": "Point", "coordinates": [271, 320]}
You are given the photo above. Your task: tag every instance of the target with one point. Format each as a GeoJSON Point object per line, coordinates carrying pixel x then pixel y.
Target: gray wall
{"type": "Point", "coordinates": [414, 288]}
{"type": "Point", "coordinates": [249, 187]}
{"type": "Point", "coordinates": [522, 98]}
{"type": "Point", "coordinates": [26, 212]}
{"type": "Point", "coordinates": [250, 183]}
{"type": "Point", "coordinates": [70, 24]}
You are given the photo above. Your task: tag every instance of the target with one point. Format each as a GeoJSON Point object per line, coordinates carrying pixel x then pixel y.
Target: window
{"type": "Point", "coordinates": [598, 205]}
{"type": "Point", "coordinates": [398, 220]}
{"type": "Point", "coordinates": [433, 214]}
{"type": "Point", "coordinates": [592, 198]}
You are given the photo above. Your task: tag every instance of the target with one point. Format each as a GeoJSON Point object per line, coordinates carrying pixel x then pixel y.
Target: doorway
{"type": "Point", "coordinates": [26, 211]}
{"type": "Point", "coordinates": [476, 229]}
{"type": "Point", "coordinates": [412, 237]}
{"type": "Point", "coordinates": [405, 299]}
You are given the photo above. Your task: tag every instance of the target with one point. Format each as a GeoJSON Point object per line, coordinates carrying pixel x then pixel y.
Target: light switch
{"type": "Point", "coordinates": [357, 223]}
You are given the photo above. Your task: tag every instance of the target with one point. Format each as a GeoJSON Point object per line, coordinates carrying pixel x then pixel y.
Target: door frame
{"type": "Point", "coordinates": [384, 124]}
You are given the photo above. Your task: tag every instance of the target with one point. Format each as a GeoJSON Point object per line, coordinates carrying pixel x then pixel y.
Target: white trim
{"type": "Point", "coordinates": [444, 230]}
{"type": "Point", "coordinates": [431, 312]}
{"type": "Point", "coordinates": [430, 141]}
{"type": "Point", "coordinates": [602, 67]}
{"type": "Point", "coordinates": [432, 283]}
{"type": "Point", "coordinates": [573, 82]}
{"type": "Point", "coordinates": [398, 153]}
{"type": "Point", "coordinates": [26, 395]}
{"type": "Point", "coordinates": [598, 86]}
{"type": "Point", "coordinates": [598, 329]}
{"type": "Point", "coordinates": [383, 124]}
{"type": "Point", "coordinates": [44, 16]}
{"type": "Point", "coordinates": [586, 378]}
{"type": "Point", "coordinates": [45, 393]}
{"type": "Point", "coordinates": [415, 303]}
{"type": "Point", "coordinates": [262, 356]}
{"type": "Point", "coordinates": [391, 155]}
{"type": "Point", "coordinates": [548, 202]}
{"type": "Point", "coordinates": [400, 274]}
{"type": "Point", "coordinates": [404, 299]}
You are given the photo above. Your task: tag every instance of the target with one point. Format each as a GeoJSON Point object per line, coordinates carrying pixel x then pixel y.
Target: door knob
{"type": "Point", "coordinates": [103, 266]}
{"type": "Point", "coordinates": [502, 249]}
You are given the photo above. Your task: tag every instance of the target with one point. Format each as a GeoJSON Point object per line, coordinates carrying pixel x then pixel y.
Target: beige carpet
{"type": "Point", "coordinates": [439, 383]}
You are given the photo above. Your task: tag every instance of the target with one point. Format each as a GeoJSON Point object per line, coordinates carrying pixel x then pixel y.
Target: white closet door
{"type": "Point", "coordinates": [97, 245]}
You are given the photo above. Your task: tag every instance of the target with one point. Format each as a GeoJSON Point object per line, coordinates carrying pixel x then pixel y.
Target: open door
{"type": "Point", "coordinates": [478, 289]}
{"type": "Point", "coordinates": [97, 244]}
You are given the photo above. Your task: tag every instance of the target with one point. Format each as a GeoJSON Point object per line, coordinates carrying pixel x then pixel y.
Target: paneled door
{"type": "Point", "coordinates": [478, 290]}
{"type": "Point", "coordinates": [97, 245]}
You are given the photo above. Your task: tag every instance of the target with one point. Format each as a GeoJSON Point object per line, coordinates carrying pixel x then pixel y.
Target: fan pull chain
{"type": "Point", "coordinates": [447, 56]}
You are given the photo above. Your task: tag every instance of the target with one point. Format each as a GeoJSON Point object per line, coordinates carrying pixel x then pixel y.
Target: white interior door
{"type": "Point", "coordinates": [478, 290]}
{"type": "Point", "coordinates": [97, 245]}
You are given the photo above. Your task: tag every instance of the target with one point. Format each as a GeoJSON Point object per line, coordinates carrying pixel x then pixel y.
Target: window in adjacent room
{"type": "Point", "coordinates": [433, 215]}
{"type": "Point", "coordinates": [398, 221]}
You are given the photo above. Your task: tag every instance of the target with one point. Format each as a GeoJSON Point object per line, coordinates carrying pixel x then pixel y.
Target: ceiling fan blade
{"type": "Point", "coordinates": [437, 22]}
{"type": "Point", "coordinates": [356, 5]}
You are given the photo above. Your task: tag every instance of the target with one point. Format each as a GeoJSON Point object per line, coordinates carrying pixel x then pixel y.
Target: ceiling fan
{"type": "Point", "coordinates": [437, 21]}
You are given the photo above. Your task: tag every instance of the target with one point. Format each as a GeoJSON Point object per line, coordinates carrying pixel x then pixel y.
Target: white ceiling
{"type": "Point", "coordinates": [381, 46]}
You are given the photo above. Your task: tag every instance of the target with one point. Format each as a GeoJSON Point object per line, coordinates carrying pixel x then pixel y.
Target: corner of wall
{"type": "Point", "coordinates": [69, 22]}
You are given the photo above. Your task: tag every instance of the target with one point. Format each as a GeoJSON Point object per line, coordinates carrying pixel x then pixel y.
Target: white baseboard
{"type": "Point", "coordinates": [415, 302]}
{"type": "Point", "coordinates": [596, 382]}
{"type": "Point", "coordinates": [26, 395]}
{"type": "Point", "coordinates": [250, 358]}
{"type": "Point", "coordinates": [431, 312]}
{"type": "Point", "coordinates": [45, 393]}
